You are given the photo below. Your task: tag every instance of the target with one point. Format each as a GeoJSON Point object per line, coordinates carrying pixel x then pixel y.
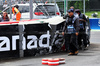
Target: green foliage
{"type": "Point", "coordinates": [61, 4]}
{"type": "Point", "coordinates": [76, 4]}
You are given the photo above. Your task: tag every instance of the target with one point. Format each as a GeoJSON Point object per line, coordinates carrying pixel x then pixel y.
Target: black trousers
{"type": "Point", "coordinates": [82, 35]}
{"type": "Point", "coordinates": [71, 42]}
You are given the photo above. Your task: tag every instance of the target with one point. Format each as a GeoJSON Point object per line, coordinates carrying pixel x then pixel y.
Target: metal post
{"type": "Point", "coordinates": [31, 9]}
{"type": "Point", "coordinates": [21, 51]}
{"type": "Point", "coordinates": [10, 9]}
{"type": "Point", "coordinates": [55, 8]}
{"type": "Point", "coordinates": [84, 6]}
{"type": "Point", "coordinates": [65, 7]}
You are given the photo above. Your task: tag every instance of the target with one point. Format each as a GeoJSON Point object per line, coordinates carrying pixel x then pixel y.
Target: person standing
{"type": "Point", "coordinates": [16, 13]}
{"type": "Point", "coordinates": [5, 17]}
{"type": "Point", "coordinates": [75, 14]}
{"type": "Point", "coordinates": [82, 31]}
{"type": "Point", "coordinates": [70, 31]}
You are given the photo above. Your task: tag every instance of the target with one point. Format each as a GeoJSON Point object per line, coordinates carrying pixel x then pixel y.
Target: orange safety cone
{"type": "Point", "coordinates": [53, 62]}
{"type": "Point", "coordinates": [45, 61]}
{"type": "Point", "coordinates": [61, 61]}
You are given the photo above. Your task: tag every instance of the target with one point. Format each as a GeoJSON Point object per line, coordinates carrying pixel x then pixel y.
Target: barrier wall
{"type": "Point", "coordinates": [95, 23]}
{"type": "Point", "coordinates": [27, 38]}
{"type": "Point", "coordinates": [23, 39]}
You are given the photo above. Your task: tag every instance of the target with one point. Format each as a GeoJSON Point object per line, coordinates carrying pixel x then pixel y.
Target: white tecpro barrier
{"type": "Point", "coordinates": [25, 38]}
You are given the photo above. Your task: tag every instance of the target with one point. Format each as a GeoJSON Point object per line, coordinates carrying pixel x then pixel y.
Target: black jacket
{"type": "Point", "coordinates": [82, 16]}
{"type": "Point", "coordinates": [69, 21]}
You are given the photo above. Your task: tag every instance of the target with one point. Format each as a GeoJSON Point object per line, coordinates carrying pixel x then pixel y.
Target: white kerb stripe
{"type": "Point", "coordinates": [53, 62]}
{"type": "Point", "coordinates": [44, 61]}
{"type": "Point", "coordinates": [61, 61]}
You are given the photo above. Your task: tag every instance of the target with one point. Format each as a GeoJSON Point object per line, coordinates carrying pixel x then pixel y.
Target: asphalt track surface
{"type": "Point", "coordinates": [90, 57]}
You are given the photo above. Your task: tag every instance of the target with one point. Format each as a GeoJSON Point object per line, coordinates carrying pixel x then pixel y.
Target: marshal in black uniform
{"type": "Point", "coordinates": [70, 31]}
{"type": "Point", "coordinates": [82, 31]}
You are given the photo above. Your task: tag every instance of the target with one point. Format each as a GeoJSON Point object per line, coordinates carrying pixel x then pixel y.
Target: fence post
{"type": "Point", "coordinates": [64, 7]}
{"type": "Point", "coordinates": [55, 7]}
{"type": "Point", "coordinates": [31, 9]}
{"type": "Point", "coordinates": [84, 6]}
{"type": "Point", "coordinates": [10, 9]}
{"type": "Point", "coordinates": [21, 51]}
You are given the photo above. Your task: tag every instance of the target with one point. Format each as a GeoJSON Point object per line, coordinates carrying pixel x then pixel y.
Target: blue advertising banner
{"type": "Point", "coordinates": [95, 23]}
